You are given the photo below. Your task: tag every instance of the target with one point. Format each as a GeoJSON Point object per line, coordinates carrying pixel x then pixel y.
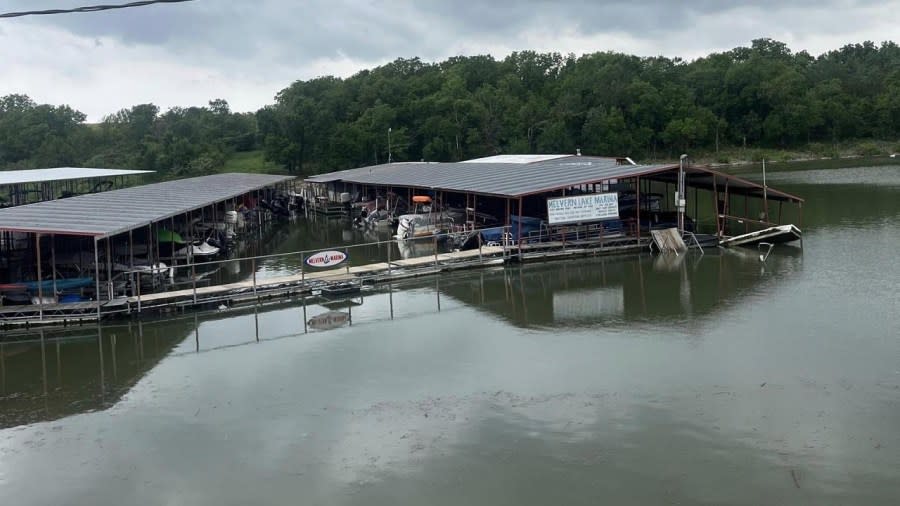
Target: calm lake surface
{"type": "Point", "coordinates": [708, 379]}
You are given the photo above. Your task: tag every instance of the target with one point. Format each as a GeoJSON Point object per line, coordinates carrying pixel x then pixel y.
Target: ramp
{"type": "Point", "coordinates": [668, 240]}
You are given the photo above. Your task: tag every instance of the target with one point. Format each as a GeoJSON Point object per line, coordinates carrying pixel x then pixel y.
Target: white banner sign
{"type": "Point", "coordinates": [583, 208]}
{"type": "Point", "coordinates": [326, 259]}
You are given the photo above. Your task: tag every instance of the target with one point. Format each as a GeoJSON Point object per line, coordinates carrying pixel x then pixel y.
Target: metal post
{"type": "Point", "coordinates": [638, 202]}
{"type": "Point", "coordinates": [347, 258]}
{"type": "Point", "coordinates": [391, 297]}
{"type": "Point", "coordinates": [194, 280]}
{"type": "Point", "coordinates": [109, 277]}
{"type": "Point", "coordinates": [138, 286]}
{"type": "Point", "coordinates": [520, 227]}
{"type": "Point", "coordinates": [253, 268]}
{"type": "Point", "coordinates": [765, 193]}
{"type": "Point", "coordinates": [305, 329]}
{"type": "Point", "coordinates": [40, 285]}
{"type": "Point", "coordinates": [97, 277]}
{"type": "Point", "coordinates": [746, 213]}
{"type": "Point", "coordinates": [716, 206]}
{"type": "Point", "coordinates": [679, 197]}
{"type": "Point", "coordinates": [53, 261]}
{"type": "Point", "coordinates": [480, 257]}
{"type": "Point", "coordinates": [390, 246]}
{"type": "Point", "coordinates": [155, 240]}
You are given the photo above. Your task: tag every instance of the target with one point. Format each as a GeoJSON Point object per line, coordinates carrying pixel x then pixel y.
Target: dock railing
{"type": "Point", "coordinates": [365, 263]}
{"type": "Point", "coordinates": [194, 283]}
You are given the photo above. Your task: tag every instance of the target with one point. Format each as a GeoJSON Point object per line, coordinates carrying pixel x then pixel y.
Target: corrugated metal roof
{"type": "Point", "coordinates": [9, 177]}
{"type": "Point", "coordinates": [501, 179]}
{"type": "Point", "coordinates": [513, 180]}
{"type": "Point", "coordinates": [113, 212]}
{"type": "Point", "coordinates": [516, 158]}
{"type": "Point", "coordinates": [349, 174]}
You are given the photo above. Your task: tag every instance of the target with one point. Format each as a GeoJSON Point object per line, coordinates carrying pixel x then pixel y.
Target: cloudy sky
{"type": "Point", "coordinates": [245, 51]}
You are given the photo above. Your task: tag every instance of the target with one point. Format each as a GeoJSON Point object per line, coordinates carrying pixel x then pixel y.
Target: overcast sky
{"type": "Point", "coordinates": [245, 51]}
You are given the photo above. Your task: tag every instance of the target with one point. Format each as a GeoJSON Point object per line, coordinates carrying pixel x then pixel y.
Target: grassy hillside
{"type": "Point", "coordinates": [251, 161]}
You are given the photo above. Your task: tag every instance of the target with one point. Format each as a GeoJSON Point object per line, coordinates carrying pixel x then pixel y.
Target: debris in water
{"type": "Point", "coordinates": [795, 475]}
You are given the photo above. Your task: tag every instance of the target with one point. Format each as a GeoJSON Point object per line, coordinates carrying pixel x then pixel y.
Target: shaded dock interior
{"type": "Point", "coordinates": [121, 240]}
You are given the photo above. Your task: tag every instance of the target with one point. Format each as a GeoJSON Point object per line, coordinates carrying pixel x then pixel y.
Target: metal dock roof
{"type": "Point", "coordinates": [109, 213]}
{"type": "Point", "coordinates": [10, 177]}
{"type": "Point", "coordinates": [519, 176]}
{"type": "Point", "coordinates": [504, 178]}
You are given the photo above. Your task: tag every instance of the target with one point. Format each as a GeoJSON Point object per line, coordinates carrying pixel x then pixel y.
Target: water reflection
{"type": "Point", "coordinates": [612, 292]}
{"type": "Point", "coordinates": [54, 374]}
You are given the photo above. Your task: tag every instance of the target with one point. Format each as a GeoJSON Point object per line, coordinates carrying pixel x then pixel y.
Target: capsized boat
{"type": "Point", "coordinates": [774, 235]}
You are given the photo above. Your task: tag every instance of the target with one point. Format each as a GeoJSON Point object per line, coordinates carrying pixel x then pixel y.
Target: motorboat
{"type": "Point", "coordinates": [774, 235]}
{"type": "Point", "coordinates": [48, 285]}
{"type": "Point", "coordinates": [426, 221]}
{"type": "Point", "coordinates": [196, 250]}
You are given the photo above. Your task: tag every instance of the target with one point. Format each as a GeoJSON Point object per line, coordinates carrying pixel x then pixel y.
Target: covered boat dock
{"type": "Point", "coordinates": [513, 187]}
{"type": "Point", "coordinates": [20, 187]}
{"type": "Point", "coordinates": [96, 230]}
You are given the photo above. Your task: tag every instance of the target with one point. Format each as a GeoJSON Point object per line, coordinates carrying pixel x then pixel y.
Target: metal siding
{"type": "Point", "coordinates": [113, 212]}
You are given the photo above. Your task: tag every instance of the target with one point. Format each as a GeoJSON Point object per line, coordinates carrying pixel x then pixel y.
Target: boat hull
{"type": "Point", "coordinates": [775, 235]}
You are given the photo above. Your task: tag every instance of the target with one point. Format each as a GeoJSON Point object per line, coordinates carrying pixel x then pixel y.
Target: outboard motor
{"type": "Point", "coordinates": [406, 229]}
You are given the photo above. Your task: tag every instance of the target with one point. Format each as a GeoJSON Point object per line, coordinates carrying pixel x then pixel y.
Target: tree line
{"type": "Point", "coordinates": [604, 103]}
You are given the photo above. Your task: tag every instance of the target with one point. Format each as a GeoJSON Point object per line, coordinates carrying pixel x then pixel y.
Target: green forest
{"type": "Point", "coordinates": [762, 97]}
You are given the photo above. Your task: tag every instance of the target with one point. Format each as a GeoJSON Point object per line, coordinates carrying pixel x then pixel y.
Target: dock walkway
{"type": "Point", "coordinates": [257, 290]}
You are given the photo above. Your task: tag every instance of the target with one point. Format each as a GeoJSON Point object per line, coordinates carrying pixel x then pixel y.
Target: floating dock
{"type": "Point", "coordinates": [255, 290]}
{"type": "Point", "coordinates": [542, 207]}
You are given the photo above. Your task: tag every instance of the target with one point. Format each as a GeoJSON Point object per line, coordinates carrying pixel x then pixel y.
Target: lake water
{"type": "Point", "coordinates": [710, 379]}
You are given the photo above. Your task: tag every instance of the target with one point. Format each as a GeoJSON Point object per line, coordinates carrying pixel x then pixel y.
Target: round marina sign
{"type": "Point", "coordinates": [326, 259]}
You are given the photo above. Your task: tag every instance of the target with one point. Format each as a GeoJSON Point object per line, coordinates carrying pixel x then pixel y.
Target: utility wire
{"type": "Point", "coordinates": [90, 8]}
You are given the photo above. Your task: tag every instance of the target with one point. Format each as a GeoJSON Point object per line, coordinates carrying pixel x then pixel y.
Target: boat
{"type": "Point", "coordinates": [775, 235]}
{"type": "Point", "coordinates": [340, 289]}
{"type": "Point", "coordinates": [426, 221]}
{"type": "Point", "coordinates": [523, 227]}
{"type": "Point", "coordinates": [164, 235]}
{"type": "Point", "coordinates": [197, 250]}
{"type": "Point", "coordinates": [47, 285]}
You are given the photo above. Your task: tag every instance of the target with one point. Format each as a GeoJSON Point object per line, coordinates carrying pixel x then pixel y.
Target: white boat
{"type": "Point", "coordinates": [773, 235]}
{"type": "Point", "coordinates": [426, 221]}
{"type": "Point", "coordinates": [417, 226]}
{"type": "Point", "coordinates": [196, 250]}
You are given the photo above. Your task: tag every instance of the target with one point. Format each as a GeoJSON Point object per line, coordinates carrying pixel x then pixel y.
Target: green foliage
{"type": "Point", "coordinates": [755, 102]}
{"type": "Point", "coordinates": [869, 149]}
{"type": "Point", "coordinates": [250, 161]}
{"type": "Point", "coordinates": [179, 142]}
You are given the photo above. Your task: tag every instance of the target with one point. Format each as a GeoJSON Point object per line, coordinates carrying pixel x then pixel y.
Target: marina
{"type": "Point", "coordinates": [426, 218]}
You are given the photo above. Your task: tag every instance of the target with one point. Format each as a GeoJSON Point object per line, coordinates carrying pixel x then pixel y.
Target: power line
{"type": "Point", "coordinates": [90, 8]}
